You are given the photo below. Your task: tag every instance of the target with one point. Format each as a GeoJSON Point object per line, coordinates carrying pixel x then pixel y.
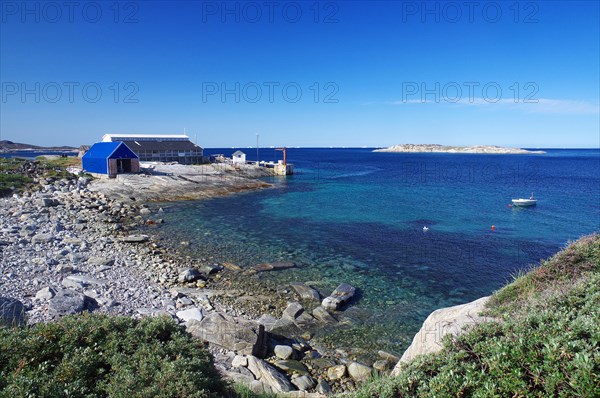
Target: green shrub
{"type": "Point", "coordinates": [104, 356]}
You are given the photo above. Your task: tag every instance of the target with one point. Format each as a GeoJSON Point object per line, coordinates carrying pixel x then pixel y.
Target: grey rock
{"type": "Point", "coordinates": [196, 314]}
{"type": "Point", "coordinates": [64, 269]}
{"type": "Point", "coordinates": [323, 315]}
{"type": "Point", "coordinates": [305, 292]}
{"type": "Point", "coordinates": [293, 310]}
{"type": "Point", "coordinates": [323, 387]}
{"type": "Point", "coordinates": [272, 267]}
{"type": "Point", "coordinates": [336, 372]}
{"type": "Point", "coordinates": [135, 239]}
{"type": "Point", "coordinates": [268, 375]}
{"type": "Point", "coordinates": [450, 320]}
{"type": "Point", "coordinates": [80, 281]}
{"type": "Point", "coordinates": [189, 275]}
{"type": "Point", "coordinates": [210, 269]}
{"type": "Point", "coordinates": [66, 302]}
{"type": "Point", "coordinates": [152, 312]}
{"type": "Point", "coordinates": [359, 372]}
{"type": "Point", "coordinates": [101, 261]}
{"type": "Point", "coordinates": [244, 337]}
{"type": "Point", "coordinates": [46, 202]}
{"type": "Point", "coordinates": [268, 321]}
{"type": "Point", "coordinates": [184, 301]}
{"type": "Point", "coordinates": [340, 296]}
{"type": "Point", "coordinates": [41, 238]}
{"type": "Point", "coordinates": [285, 327]}
{"type": "Point", "coordinates": [381, 365]}
{"type": "Point", "coordinates": [292, 366]}
{"type": "Point", "coordinates": [69, 283]}
{"type": "Point", "coordinates": [238, 361]}
{"type": "Point", "coordinates": [303, 382]}
{"type": "Point", "coordinates": [12, 312]}
{"type": "Point", "coordinates": [45, 294]}
{"type": "Point", "coordinates": [305, 320]}
{"type": "Point", "coordinates": [387, 356]}
{"type": "Point", "coordinates": [283, 351]}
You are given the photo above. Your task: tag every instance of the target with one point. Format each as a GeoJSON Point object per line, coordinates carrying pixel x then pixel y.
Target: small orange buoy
{"type": "Point", "coordinates": [493, 227]}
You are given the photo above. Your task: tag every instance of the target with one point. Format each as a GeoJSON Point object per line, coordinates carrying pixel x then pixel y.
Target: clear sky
{"type": "Point", "coordinates": [302, 73]}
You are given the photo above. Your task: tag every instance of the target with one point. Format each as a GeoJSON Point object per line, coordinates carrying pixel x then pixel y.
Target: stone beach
{"type": "Point", "coordinates": [72, 245]}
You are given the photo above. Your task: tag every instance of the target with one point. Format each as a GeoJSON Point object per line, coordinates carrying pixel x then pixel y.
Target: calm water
{"type": "Point", "coordinates": [354, 216]}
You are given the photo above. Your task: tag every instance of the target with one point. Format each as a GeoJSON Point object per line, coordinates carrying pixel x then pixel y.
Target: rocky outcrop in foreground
{"type": "Point", "coordinates": [442, 322]}
{"type": "Point", "coordinates": [435, 148]}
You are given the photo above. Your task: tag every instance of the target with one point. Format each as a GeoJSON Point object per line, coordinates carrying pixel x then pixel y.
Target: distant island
{"type": "Point", "coordinates": [9, 146]}
{"type": "Point", "coordinates": [417, 148]}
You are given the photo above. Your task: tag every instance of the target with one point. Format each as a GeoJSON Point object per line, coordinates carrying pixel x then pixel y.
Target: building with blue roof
{"type": "Point", "coordinates": [110, 158]}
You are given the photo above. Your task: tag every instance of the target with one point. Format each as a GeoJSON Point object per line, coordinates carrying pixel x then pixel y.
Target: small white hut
{"type": "Point", "coordinates": [238, 157]}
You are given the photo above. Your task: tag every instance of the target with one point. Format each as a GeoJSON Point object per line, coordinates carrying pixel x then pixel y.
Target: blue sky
{"type": "Point", "coordinates": [344, 73]}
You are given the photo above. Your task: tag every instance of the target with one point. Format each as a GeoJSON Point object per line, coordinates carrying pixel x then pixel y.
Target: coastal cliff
{"type": "Point", "coordinates": [435, 148]}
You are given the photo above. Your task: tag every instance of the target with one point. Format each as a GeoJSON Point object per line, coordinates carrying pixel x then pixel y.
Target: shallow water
{"type": "Point", "coordinates": [354, 216]}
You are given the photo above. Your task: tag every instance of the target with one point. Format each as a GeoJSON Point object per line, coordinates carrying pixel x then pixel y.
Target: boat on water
{"type": "Point", "coordinates": [525, 202]}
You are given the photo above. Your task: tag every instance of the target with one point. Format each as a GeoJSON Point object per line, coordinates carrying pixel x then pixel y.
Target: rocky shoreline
{"type": "Point", "coordinates": [69, 247]}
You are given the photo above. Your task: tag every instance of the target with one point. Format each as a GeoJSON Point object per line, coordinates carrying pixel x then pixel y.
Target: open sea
{"type": "Point", "coordinates": [351, 215]}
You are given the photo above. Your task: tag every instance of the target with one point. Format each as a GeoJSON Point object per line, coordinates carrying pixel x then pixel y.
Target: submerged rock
{"type": "Point", "coordinates": [340, 296]}
{"type": "Point", "coordinates": [305, 292]}
{"type": "Point", "coordinates": [322, 315]}
{"type": "Point", "coordinates": [272, 266]}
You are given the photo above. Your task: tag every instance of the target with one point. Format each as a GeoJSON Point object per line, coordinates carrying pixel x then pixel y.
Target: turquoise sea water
{"type": "Point", "coordinates": [351, 215]}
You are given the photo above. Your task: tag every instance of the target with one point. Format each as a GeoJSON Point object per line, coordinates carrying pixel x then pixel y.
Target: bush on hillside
{"type": "Point", "coordinates": [106, 356]}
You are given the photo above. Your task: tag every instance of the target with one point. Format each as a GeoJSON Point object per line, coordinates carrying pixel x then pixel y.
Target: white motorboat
{"type": "Point", "coordinates": [525, 202]}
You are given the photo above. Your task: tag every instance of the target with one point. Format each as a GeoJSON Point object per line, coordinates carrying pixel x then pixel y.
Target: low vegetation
{"type": "Point", "coordinates": [103, 356]}
{"type": "Point", "coordinates": [546, 343]}
{"type": "Point", "coordinates": [17, 175]}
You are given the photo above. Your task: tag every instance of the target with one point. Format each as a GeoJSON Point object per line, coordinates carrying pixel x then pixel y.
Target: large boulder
{"type": "Point", "coordinates": [305, 292]}
{"type": "Point", "coordinates": [269, 375]}
{"type": "Point", "coordinates": [244, 337]}
{"type": "Point", "coordinates": [66, 302]}
{"type": "Point", "coordinates": [439, 323]}
{"type": "Point", "coordinates": [359, 372]}
{"type": "Point", "coordinates": [340, 296]}
{"type": "Point", "coordinates": [12, 312]}
{"type": "Point", "coordinates": [196, 314]}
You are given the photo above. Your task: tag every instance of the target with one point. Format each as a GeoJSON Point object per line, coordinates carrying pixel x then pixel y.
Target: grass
{"type": "Point", "coordinates": [547, 343]}
{"type": "Point", "coordinates": [13, 182]}
{"type": "Point", "coordinates": [12, 179]}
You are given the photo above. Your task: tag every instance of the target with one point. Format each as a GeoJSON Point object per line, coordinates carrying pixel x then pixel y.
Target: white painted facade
{"type": "Point", "coordinates": [238, 157]}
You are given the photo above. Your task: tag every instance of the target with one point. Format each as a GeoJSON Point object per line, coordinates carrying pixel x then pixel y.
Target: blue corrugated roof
{"type": "Point", "coordinates": [96, 158]}
{"type": "Point", "coordinates": [102, 149]}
